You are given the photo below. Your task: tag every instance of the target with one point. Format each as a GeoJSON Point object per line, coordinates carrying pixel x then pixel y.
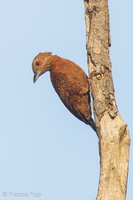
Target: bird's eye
{"type": "Point", "coordinates": [37, 63]}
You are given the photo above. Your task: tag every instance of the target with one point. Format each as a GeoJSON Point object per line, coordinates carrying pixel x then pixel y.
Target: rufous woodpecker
{"type": "Point", "coordinates": [69, 81]}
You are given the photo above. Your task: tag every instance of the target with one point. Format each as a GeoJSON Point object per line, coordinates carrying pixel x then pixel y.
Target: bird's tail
{"type": "Point", "coordinates": [92, 124]}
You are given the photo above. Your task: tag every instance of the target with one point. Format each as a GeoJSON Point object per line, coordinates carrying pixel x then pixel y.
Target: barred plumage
{"type": "Point", "coordinates": [69, 81]}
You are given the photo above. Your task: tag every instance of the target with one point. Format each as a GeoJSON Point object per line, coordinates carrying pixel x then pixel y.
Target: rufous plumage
{"type": "Point", "coordinates": [69, 81]}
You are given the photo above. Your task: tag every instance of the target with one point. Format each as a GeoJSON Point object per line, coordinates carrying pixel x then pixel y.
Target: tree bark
{"type": "Point", "coordinates": [114, 139]}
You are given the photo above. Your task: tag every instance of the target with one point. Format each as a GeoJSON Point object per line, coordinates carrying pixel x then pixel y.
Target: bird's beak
{"type": "Point", "coordinates": [36, 75]}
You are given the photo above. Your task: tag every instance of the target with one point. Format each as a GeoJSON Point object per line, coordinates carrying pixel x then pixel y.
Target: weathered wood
{"type": "Point", "coordinates": [114, 139]}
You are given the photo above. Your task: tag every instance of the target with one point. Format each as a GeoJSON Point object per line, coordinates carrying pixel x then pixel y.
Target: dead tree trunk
{"type": "Point", "coordinates": [114, 139]}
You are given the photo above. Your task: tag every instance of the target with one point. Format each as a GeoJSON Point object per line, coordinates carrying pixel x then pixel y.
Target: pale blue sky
{"type": "Point", "coordinates": [43, 148]}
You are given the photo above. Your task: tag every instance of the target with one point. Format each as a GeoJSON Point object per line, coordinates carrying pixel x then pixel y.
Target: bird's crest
{"type": "Point", "coordinates": [45, 54]}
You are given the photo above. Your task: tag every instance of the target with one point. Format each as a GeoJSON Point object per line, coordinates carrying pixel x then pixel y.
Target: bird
{"type": "Point", "coordinates": [70, 83]}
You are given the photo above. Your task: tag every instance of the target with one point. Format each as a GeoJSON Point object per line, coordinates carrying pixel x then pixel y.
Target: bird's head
{"type": "Point", "coordinates": [41, 64]}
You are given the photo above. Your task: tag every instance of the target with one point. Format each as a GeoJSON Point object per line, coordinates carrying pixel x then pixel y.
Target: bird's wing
{"type": "Point", "coordinates": [61, 87]}
{"type": "Point", "coordinates": [76, 105]}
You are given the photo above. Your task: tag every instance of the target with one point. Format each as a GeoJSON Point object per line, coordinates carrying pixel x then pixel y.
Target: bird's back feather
{"type": "Point", "coordinates": [70, 83]}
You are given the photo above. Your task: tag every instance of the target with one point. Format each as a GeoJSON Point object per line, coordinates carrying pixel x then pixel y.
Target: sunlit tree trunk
{"type": "Point", "coordinates": [114, 139]}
